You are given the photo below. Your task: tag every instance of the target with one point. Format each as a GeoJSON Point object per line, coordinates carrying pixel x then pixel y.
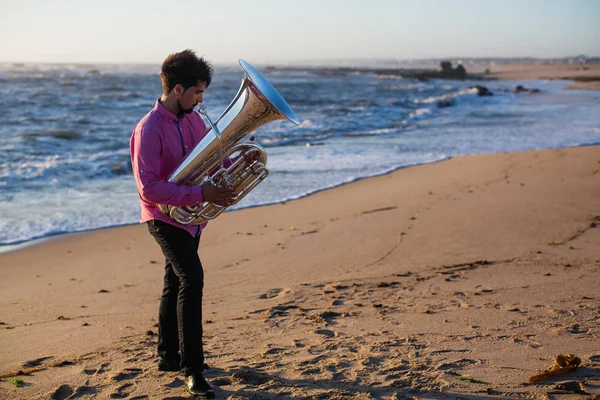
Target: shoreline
{"type": "Point", "coordinates": [24, 244]}
{"type": "Point", "coordinates": [9, 247]}
{"type": "Point", "coordinates": [434, 281]}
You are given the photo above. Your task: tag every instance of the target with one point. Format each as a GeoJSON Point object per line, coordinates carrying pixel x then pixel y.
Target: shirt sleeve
{"type": "Point", "coordinates": [145, 161]}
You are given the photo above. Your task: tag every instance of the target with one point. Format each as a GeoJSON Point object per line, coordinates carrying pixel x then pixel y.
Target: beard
{"type": "Point", "coordinates": [184, 110]}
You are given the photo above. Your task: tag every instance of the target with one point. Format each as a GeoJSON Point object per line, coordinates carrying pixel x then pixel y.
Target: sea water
{"type": "Point", "coordinates": [65, 129]}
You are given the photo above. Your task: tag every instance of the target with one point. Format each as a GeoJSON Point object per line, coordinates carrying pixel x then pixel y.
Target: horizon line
{"type": "Point", "coordinates": [308, 60]}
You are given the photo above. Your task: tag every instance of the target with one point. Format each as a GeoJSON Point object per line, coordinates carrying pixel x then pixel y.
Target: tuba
{"type": "Point", "coordinates": [255, 104]}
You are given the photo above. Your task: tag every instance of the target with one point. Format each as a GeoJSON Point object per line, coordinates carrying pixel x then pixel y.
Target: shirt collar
{"type": "Point", "coordinates": [164, 113]}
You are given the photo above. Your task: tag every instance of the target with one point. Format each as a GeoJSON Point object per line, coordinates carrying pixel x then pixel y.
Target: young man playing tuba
{"type": "Point", "coordinates": [159, 143]}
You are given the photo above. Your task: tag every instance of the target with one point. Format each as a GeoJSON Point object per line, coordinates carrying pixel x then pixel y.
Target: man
{"type": "Point", "coordinates": [159, 143]}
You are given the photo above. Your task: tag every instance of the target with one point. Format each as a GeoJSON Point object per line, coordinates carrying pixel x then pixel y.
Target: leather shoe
{"type": "Point", "coordinates": [169, 364]}
{"type": "Point", "coordinates": [197, 385]}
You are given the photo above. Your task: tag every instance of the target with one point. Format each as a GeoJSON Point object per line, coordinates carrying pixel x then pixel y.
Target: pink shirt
{"type": "Point", "coordinates": [159, 144]}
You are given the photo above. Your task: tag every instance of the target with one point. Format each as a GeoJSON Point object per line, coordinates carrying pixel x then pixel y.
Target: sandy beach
{"type": "Point", "coordinates": [586, 76]}
{"type": "Point", "coordinates": [459, 279]}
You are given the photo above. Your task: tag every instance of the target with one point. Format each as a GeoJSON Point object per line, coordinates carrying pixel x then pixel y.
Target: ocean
{"type": "Point", "coordinates": [65, 129]}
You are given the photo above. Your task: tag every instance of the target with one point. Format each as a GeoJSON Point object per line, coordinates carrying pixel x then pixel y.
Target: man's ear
{"type": "Point", "coordinates": [178, 89]}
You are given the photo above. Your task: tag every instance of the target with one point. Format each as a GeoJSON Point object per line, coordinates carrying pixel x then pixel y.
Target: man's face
{"type": "Point", "coordinates": [188, 99]}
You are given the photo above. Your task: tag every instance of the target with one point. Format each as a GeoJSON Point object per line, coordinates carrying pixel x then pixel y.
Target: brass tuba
{"type": "Point", "coordinates": [255, 104]}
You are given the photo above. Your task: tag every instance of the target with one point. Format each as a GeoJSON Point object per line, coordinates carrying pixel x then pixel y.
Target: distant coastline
{"type": "Point", "coordinates": [583, 71]}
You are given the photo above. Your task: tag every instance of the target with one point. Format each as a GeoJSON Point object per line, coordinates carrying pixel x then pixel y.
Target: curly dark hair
{"type": "Point", "coordinates": [185, 68]}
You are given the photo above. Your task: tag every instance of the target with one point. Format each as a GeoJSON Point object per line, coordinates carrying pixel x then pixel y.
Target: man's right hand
{"type": "Point", "coordinates": [218, 195]}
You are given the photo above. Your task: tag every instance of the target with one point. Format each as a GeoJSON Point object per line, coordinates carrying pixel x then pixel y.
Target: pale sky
{"type": "Point", "coordinates": [271, 31]}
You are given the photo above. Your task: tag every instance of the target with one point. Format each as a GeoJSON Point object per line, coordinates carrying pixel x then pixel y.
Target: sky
{"type": "Point", "coordinates": [283, 31]}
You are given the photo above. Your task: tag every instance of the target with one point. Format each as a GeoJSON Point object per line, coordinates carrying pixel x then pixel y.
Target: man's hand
{"type": "Point", "coordinates": [253, 155]}
{"type": "Point", "coordinates": [218, 195]}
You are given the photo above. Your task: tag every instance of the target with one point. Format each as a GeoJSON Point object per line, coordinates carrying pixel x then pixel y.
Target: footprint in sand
{"type": "Point", "coordinates": [127, 373]}
{"type": "Point", "coordinates": [103, 368]}
{"type": "Point", "coordinates": [250, 377]}
{"type": "Point", "coordinates": [36, 363]}
{"type": "Point", "coordinates": [66, 392]}
{"type": "Point", "coordinates": [276, 293]}
{"type": "Point", "coordinates": [325, 332]}
{"type": "Point", "coordinates": [176, 383]}
{"type": "Point", "coordinates": [310, 371]}
{"type": "Point", "coordinates": [123, 391]}
{"type": "Point", "coordinates": [279, 311]}
{"type": "Point", "coordinates": [459, 364]}
{"type": "Point", "coordinates": [222, 381]}
{"type": "Point", "coordinates": [274, 350]}
{"type": "Point", "coordinates": [316, 349]}
{"type": "Point", "coordinates": [94, 371]}
{"type": "Point", "coordinates": [298, 343]}
{"type": "Point", "coordinates": [270, 294]}
{"type": "Point", "coordinates": [62, 392]}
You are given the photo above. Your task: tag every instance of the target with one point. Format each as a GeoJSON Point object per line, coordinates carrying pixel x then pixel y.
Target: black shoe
{"type": "Point", "coordinates": [197, 385]}
{"type": "Point", "coordinates": [171, 364]}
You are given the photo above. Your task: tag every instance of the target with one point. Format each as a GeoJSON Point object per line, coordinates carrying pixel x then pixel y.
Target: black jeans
{"type": "Point", "coordinates": [180, 312]}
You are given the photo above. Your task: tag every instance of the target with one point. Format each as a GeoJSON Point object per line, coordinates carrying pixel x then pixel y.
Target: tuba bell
{"type": "Point", "coordinates": [255, 104]}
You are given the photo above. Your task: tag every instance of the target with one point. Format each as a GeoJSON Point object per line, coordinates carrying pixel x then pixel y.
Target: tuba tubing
{"type": "Point", "coordinates": [255, 104]}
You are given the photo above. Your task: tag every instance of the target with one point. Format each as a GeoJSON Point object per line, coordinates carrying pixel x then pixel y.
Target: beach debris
{"type": "Point", "coordinates": [562, 365]}
{"type": "Point", "coordinates": [471, 380]}
{"type": "Point", "coordinates": [22, 372]}
{"type": "Point", "coordinates": [18, 382]}
{"type": "Point", "coordinates": [378, 209]}
{"type": "Point", "coordinates": [571, 386]}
